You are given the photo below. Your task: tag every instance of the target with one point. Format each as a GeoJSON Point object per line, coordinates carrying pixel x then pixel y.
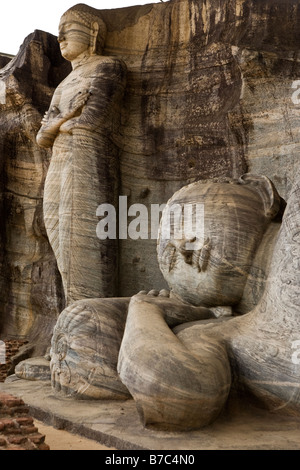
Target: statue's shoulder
{"type": "Point", "coordinates": [111, 62]}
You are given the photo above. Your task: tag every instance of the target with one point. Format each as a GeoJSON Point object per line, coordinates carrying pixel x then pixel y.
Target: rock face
{"type": "Point", "coordinates": [30, 283]}
{"type": "Point", "coordinates": [4, 59]}
{"type": "Point", "coordinates": [211, 92]}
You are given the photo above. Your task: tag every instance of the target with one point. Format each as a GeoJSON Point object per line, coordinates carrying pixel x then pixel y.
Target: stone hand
{"type": "Point", "coordinates": [174, 310]}
{"type": "Point", "coordinates": [50, 114]}
{"type": "Point", "coordinates": [77, 104]}
{"type": "Point", "coordinates": [54, 120]}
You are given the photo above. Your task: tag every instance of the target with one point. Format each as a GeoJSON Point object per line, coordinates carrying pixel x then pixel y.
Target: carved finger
{"type": "Point", "coordinates": [164, 293]}
{"type": "Point", "coordinates": [153, 292]}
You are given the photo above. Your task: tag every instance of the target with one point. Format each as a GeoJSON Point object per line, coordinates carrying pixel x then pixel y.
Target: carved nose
{"type": "Point", "coordinates": [61, 37]}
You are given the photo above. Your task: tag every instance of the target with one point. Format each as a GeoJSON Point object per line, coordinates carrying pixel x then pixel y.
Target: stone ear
{"type": "Point", "coordinates": [274, 205]}
{"type": "Point", "coordinates": [94, 34]}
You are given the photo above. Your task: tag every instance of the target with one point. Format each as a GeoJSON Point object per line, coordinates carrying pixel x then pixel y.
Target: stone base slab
{"type": "Point", "coordinates": [117, 424]}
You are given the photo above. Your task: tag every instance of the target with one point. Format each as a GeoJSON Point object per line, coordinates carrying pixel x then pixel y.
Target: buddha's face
{"type": "Point", "coordinates": [74, 37]}
{"type": "Point", "coordinates": [212, 270]}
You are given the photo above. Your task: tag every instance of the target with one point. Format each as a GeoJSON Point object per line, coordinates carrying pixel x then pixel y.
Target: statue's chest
{"type": "Point", "coordinates": [74, 84]}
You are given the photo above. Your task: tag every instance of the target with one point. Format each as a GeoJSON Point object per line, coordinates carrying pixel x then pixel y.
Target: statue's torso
{"type": "Point", "coordinates": [80, 79]}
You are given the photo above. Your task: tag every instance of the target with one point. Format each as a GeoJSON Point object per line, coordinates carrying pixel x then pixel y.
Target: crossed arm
{"type": "Point", "coordinates": [90, 109]}
{"type": "Point", "coordinates": [55, 121]}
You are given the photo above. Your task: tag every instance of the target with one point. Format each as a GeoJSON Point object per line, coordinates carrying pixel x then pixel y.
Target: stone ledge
{"type": "Point", "coordinates": [116, 424]}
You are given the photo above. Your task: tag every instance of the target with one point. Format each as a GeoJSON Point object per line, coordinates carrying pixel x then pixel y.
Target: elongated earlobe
{"type": "Point", "coordinates": [94, 35]}
{"type": "Point", "coordinates": [204, 255]}
{"type": "Point", "coordinates": [274, 205]}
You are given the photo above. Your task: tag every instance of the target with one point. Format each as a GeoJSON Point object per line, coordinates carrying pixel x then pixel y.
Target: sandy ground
{"type": "Point", "coordinates": [62, 440]}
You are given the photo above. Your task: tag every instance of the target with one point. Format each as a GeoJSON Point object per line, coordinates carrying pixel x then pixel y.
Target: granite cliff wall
{"type": "Point", "coordinates": [30, 283]}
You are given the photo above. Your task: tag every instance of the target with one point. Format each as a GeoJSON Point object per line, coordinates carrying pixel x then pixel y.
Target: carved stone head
{"type": "Point", "coordinates": [207, 253]}
{"type": "Point", "coordinates": [81, 29]}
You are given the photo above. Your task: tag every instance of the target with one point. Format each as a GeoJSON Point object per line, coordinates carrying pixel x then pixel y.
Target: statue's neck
{"type": "Point", "coordinates": [81, 60]}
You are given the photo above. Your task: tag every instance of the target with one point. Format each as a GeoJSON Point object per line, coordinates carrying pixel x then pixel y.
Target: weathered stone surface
{"type": "Point", "coordinates": [85, 349]}
{"type": "Point", "coordinates": [4, 59]}
{"type": "Point", "coordinates": [174, 388]}
{"type": "Point", "coordinates": [163, 372]}
{"type": "Point", "coordinates": [214, 81]}
{"type": "Point", "coordinates": [80, 127]}
{"type": "Point", "coordinates": [30, 284]}
{"type": "Point", "coordinates": [263, 346]}
{"type": "Point", "coordinates": [260, 348]}
{"type": "Point", "coordinates": [240, 220]}
{"type": "Point", "coordinates": [226, 267]}
{"type": "Point", "coordinates": [36, 368]}
{"type": "Point", "coordinates": [208, 94]}
{"type": "Point", "coordinates": [116, 424]}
